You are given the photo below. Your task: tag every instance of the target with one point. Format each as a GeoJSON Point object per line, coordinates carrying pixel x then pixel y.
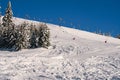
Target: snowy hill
{"type": "Point", "coordinates": [73, 55]}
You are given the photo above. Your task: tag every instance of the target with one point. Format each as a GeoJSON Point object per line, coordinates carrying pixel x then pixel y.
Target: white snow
{"type": "Point", "coordinates": [73, 55]}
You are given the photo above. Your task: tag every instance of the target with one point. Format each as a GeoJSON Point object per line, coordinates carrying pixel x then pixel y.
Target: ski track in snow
{"type": "Point", "coordinates": [73, 55]}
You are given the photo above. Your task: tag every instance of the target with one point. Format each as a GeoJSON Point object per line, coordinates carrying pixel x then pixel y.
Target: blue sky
{"type": "Point", "coordinates": [89, 15]}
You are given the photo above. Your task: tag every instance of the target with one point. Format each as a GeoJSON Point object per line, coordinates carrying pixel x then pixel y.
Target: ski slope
{"type": "Point", "coordinates": [73, 55]}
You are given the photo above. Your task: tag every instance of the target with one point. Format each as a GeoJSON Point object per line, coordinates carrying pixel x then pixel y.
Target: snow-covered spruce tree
{"type": "Point", "coordinates": [21, 41]}
{"type": "Point", "coordinates": [3, 36]}
{"type": "Point", "coordinates": [7, 19]}
{"type": "Point", "coordinates": [34, 37]}
{"type": "Point", "coordinates": [7, 37]}
{"type": "Point", "coordinates": [8, 29]}
{"type": "Point", "coordinates": [44, 35]}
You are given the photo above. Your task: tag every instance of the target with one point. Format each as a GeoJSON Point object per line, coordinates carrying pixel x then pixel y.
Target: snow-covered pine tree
{"type": "Point", "coordinates": [7, 37]}
{"type": "Point", "coordinates": [10, 39]}
{"type": "Point", "coordinates": [21, 41]}
{"type": "Point", "coordinates": [44, 35]}
{"type": "Point", "coordinates": [34, 37]}
{"type": "Point", "coordinates": [8, 32]}
{"type": "Point", "coordinates": [7, 19]}
{"type": "Point", "coordinates": [3, 37]}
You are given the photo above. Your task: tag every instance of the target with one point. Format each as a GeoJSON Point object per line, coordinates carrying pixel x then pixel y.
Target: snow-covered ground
{"type": "Point", "coordinates": [73, 55]}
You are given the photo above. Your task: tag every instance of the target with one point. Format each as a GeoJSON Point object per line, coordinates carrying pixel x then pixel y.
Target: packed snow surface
{"type": "Point", "coordinates": [73, 55]}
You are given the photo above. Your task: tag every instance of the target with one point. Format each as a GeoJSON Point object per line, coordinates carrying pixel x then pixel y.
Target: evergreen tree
{"type": "Point", "coordinates": [7, 38]}
{"type": "Point", "coordinates": [7, 35]}
{"type": "Point", "coordinates": [7, 19]}
{"type": "Point", "coordinates": [3, 37]}
{"type": "Point", "coordinates": [33, 39]}
{"type": "Point", "coordinates": [10, 39]}
{"type": "Point", "coordinates": [21, 41]}
{"type": "Point", "coordinates": [44, 35]}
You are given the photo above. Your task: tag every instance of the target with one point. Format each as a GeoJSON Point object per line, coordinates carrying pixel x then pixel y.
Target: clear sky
{"type": "Point", "coordinates": [90, 15]}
